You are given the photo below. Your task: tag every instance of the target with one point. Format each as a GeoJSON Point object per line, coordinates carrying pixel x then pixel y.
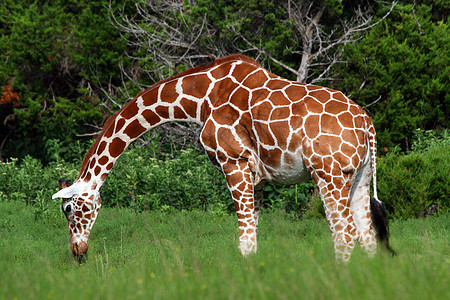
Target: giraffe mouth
{"type": "Point", "coordinates": [79, 250]}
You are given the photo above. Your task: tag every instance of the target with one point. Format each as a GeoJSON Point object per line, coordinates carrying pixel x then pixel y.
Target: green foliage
{"type": "Point", "coordinates": [186, 182]}
{"type": "Point", "coordinates": [56, 56]}
{"type": "Point", "coordinates": [417, 184]}
{"type": "Point", "coordinates": [406, 68]}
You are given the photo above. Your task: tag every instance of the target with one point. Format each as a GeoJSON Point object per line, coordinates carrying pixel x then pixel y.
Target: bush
{"type": "Point", "coordinates": [417, 184]}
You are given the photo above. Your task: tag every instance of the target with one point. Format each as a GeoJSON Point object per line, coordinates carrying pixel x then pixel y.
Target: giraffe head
{"type": "Point", "coordinates": [80, 206]}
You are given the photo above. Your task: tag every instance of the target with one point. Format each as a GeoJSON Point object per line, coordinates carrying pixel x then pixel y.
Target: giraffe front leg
{"type": "Point", "coordinates": [240, 184]}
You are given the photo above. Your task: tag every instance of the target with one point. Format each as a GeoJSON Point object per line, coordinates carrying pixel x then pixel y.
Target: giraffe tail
{"type": "Point", "coordinates": [380, 222]}
{"type": "Point", "coordinates": [377, 208]}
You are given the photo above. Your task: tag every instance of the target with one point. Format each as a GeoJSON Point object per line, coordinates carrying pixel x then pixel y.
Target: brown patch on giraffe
{"type": "Point", "coordinates": [325, 144]}
{"type": "Point", "coordinates": [179, 114]}
{"type": "Point", "coordinates": [85, 208]}
{"type": "Point", "coordinates": [336, 194]}
{"type": "Point", "coordinates": [280, 113]}
{"type": "Point", "coordinates": [329, 124]}
{"type": "Point", "coordinates": [168, 92]}
{"type": "Point", "coordinates": [340, 97]}
{"type": "Point", "coordinates": [295, 92]}
{"type": "Point", "coordinates": [94, 186]}
{"type": "Point", "coordinates": [196, 86]}
{"type": "Point", "coordinates": [335, 107]}
{"type": "Point", "coordinates": [234, 179]}
{"type": "Point", "coordinates": [346, 212]}
{"type": "Point", "coordinates": [347, 149]}
{"type": "Point", "coordinates": [354, 110]}
{"type": "Point", "coordinates": [150, 96]}
{"type": "Point", "coordinates": [221, 91]}
{"type": "Point", "coordinates": [240, 99]}
{"type": "Point", "coordinates": [281, 130]}
{"type": "Point", "coordinates": [349, 136]}
{"type": "Point", "coordinates": [78, 213]}
{"type": "Point", "coordinates": [205, 111]}
{"type": "Point", "coordinates": [236, 194]}
{"type": "Point", "coordinates": [295, 122]}
{"type": "Point", "coordinates": [337, 181]}
{"type": "Point", "coordinates": [119, 124]}
{"type": "Point", "coordinates": [276, 84]}
{"type": "Point", "coordinates": [336, 169]}
{"type": "Point", "coordinates": [338, 227]}
{"type": "Point", "coordinates": [104, 175]}
{"type": "Point", "coordinates": [313, 105]}
{"type": "Point", "coordinates": [228, 142]}
{"type": "Point", "coordinates": [208, 136]}
{"type": "Point", "coordinates": [311, 126]}
{"type": "Point", "coordinates": [134, 129]}
{"type": "Point", "coordinates": [225, 115]}
{"type": "Point", "coordinates": [271, 157]}
{"type": "Point", "coordinates": [320, 95]}
{"type": "Point", "coordinates": [222, 71]}
{"type": "Point", "coordinates": [162, 111]}
{"type": "Point", "coordinates": [189, 106]}
{"type": "Point", "coordinates": [299, 109]}
{"type": "Point", "coordinates": [130, 110]}
{"type": "Point", "coordinates": [262, 131]}
{"type": "Point", "coordinates": [92, 164]}
{"type": "Point", "coordinates": [255, 80]}
{"type": "Point", "coordinates": [151, 117]}
{"type": "Point", "coordinates": [116, 147]}
{"type": "Point", "coordinates": [109, 132]}
{"type": "Point", "coordinates": [242, 70]}
{"type": "Point", "coordinates": [97, 170]}
{"type": "Point", "coordinates": [278, 98]}
{"type": "Point", "coordinates": [258, 95]}
{"type": "Point", "coordinates": [262, 111]}
{"type": "Point", "coordinates": [101, 148]}
{"type": "Point", "coordinates": [355, 161]}
{"type": "Point", "coordinates": [346, 120]}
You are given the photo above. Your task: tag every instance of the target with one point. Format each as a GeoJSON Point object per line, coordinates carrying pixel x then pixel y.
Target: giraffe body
{"type": "Point", "coordinates": [256, 128]}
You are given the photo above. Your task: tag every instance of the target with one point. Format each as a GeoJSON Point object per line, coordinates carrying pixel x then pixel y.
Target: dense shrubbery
{"type": "Point", "coordinates": [412, 185]}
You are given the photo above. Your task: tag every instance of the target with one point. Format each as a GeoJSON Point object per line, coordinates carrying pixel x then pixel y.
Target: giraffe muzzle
{"type": "Point", "coordinates": [79, 250]}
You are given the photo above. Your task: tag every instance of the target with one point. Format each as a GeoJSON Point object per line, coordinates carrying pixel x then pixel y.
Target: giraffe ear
{"type": "Point", "coordinates": [67, 191]}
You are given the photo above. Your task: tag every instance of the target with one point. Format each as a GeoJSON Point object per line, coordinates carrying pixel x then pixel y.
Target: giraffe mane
{"type": "Point", "coordinates": [217, 61]}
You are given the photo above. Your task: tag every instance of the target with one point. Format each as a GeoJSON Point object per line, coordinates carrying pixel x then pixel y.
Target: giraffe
{"type": "Point", "coordinates": [256, 127]}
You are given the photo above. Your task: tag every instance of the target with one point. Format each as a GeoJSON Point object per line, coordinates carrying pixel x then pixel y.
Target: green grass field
{"type": "Point", "coordinates": [193, 255]}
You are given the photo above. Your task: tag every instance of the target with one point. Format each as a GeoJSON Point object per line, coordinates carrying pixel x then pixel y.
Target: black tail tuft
{"type": "Point", "coordinates": [380, 221]}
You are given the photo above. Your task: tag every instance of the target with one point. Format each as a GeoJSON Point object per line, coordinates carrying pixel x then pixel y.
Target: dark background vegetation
{"type": "Point", "coordinates": [66, 66]}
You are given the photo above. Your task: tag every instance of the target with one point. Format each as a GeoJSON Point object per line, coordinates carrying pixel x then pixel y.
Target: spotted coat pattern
{"type": "Point", "coordinates": [256, 128]}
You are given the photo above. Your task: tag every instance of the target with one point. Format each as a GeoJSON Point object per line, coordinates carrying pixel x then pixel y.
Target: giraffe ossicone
{"type": "Point", "coordinates": [256, 128]}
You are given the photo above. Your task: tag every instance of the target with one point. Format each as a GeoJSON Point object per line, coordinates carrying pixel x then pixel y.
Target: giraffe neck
{"type": "Point", "coordinates": [186, 97]}
{"type": "Point", "coordinates": [179, 99]}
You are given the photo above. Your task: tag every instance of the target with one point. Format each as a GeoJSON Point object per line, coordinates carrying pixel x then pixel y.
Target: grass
{"type": "Point", "coordinates": [193, 255]}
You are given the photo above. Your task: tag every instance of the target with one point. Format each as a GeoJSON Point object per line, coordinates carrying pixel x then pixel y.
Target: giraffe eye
{"type": "Point", "coordinates": [67, 209]}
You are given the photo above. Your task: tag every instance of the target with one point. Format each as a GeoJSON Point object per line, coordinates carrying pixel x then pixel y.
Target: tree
{"type": "Point", "coordinates": [300, 40]}
{"type": "Point", "coordinates": [399, 71]}
{"type": "Point", "coordinates": [54, 59]}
